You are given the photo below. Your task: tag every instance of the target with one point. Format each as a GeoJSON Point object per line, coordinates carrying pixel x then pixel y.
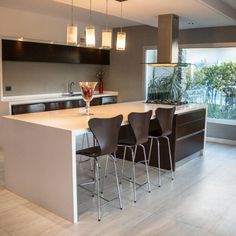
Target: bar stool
{"type": "Point", "coordinates": [139, 123]}
{"type": "Point", "coordinates": [164, 117]}
{"type": "Point", "coordinates": [106, 132]}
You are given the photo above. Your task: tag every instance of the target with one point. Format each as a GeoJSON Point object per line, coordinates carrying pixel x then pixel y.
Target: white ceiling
{"type": "Point", "coordinates": [193, 13]}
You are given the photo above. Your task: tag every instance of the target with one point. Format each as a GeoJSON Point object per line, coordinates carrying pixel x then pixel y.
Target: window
{"type": "Point", "coordinates": [212, 80]}
{"type": "Point", "coordinates": [209, 79]}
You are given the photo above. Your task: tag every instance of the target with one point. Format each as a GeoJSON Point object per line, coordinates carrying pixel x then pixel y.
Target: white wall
{"type": "Point", "coordinates": [33, 78]}
{"type": "Point", "coordinates": [19, 23]}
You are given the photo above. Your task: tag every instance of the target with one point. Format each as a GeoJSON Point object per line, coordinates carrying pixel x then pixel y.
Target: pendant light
{"type": "Point", "coordinates": [121, 36]}
{"type": "Point", "coordinates": [72, 29]}
{"type": "Point", "coordinates": [90, 30]}
{"type": "Point", "coordinates": [107, 33]}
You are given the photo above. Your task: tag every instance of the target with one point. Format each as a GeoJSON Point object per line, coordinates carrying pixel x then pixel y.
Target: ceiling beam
{"type": "Point", "coordinates": [220, 6]}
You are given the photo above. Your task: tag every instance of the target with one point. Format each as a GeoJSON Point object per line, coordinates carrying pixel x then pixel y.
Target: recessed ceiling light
{"type": "Point", "coordinates": [20, 39]}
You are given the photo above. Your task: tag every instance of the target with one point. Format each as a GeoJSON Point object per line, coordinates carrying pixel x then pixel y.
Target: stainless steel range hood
{"type": "Point", "coordinates": [168, 34]}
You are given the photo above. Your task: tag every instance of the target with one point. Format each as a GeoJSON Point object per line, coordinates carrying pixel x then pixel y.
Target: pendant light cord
{"type": "Point", "coordinates": [121, 14]}
{"type": "Point", "coordinates": [90, 12]}
{"type": "Point", "coordinates": [72, 12]}
{"type": "Point", "coordinates": [106, 14]}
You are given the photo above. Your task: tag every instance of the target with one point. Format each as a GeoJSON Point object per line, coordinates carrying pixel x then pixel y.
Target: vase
{"type": "Point", "coordinates": [87, 89]}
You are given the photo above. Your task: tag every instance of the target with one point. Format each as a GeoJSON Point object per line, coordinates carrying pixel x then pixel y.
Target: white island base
{"type": "Point", "coordinates": [40, 152]}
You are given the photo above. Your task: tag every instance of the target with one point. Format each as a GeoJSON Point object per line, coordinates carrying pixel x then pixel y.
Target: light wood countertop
{"type": "Point", "coordinates": [75, 119]}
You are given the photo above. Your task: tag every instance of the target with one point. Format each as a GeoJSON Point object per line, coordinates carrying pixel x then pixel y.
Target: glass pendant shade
{"type": "Point", "coordinates": [106, 38]}
{"type": "Point", "coordinates": [121, 41]}
{"type": "Point", "coordinates": [90, 36]}
{"type": "Point", "coordinates": [72, 34]}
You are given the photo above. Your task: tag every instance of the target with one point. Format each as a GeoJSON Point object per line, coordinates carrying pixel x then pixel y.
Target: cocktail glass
{"type": "Point", "coordinates": [87, 89]}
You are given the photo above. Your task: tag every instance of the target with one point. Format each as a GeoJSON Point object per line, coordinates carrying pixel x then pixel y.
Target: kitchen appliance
{"type": "Point", "coordinates": [168, 34]}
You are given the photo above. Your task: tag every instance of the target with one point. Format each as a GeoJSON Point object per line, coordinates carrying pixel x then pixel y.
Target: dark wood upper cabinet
{"type": "Point", "coordinates": [41, 52]}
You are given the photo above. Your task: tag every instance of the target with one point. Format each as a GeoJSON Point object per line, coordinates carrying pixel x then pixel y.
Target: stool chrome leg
{"type": "Point", "coordinates": [97, 179]}
{"type": "Point", "coordinates": [104, 174]}
{"type": "Point", "coordinates": [146, 166]}
{"type": "Point", "coordinates": [150, 151]}
{"type": "Point", "coordinates": [106, 167]}
{"type": "Point", "coordinates": [133, 163]}
{"type": "Point", "coordinates": [123, 164]}
{"type": "Point", "coordinates": [170, 156]}
{"type": "Point", "coordinates": [159, 163]}
{"type": "Point", "coordinates": [117, 180]}
{"type": "Point", "coordinates": [135, 151]}
{"type": "Point", "coordinates": [86, 135]}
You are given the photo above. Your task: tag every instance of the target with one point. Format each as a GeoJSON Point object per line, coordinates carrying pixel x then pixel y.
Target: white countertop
{"type": "Point", "coordinates": [76, 121]}
{"type": "Point", "coordinates": [27, 99]}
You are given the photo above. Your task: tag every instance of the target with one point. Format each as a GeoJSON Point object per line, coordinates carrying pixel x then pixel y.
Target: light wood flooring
{"type": "Point", "coordinates": [200, 201]}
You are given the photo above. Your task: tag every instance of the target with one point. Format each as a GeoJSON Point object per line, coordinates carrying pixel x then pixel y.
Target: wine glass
{"type": "Point", "coordinates": [87, 89]}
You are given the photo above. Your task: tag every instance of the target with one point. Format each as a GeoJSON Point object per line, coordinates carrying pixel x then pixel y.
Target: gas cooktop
{"type": "Point", "coordinates": [167, 102]}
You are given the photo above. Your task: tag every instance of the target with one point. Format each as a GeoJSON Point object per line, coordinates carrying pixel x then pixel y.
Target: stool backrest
{"type": "Point", "coordinates": [165, 118]}
{"type": "Point", "coordinates": [140, 122]}
{"type": "Point", "coordinates": [106, 132]}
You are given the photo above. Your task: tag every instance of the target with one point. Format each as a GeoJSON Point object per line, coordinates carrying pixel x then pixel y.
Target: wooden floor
{"type": "Point", "coordinates": [200, 201]}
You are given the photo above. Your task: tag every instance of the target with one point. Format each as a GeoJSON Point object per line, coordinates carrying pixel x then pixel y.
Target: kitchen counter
{"type": "Point", "coordinates": [28, 99]}
{"type": "Point", "coordinates": [7, 103]}
{"type": "Point", "coordinates": [74, 119]}
{"type": "Point", "coordinates": [40, 151]}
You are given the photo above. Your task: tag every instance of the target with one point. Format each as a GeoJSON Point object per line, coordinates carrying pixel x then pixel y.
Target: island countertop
{"type": "Point", "coordinates": [76, 121]}
{"type": "Point", "coordinates": [40, 150]}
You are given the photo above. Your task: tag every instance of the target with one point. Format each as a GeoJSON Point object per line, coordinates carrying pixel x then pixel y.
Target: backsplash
{"type": "Point", "coordinates": [29, 78]}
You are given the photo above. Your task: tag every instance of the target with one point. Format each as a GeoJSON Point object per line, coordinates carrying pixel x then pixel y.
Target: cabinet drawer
{"type": "Point", "coordinates": [95, 102]}
{"type": "Point", "coordinates": [109, 100]}
{"type": "Point", "coordinates": [27, 108]}
{"type": "Point", "coordinates": [191, 116]}
{"type": "Point", "coordinates": [190, 128]}
{"type": "Point", "coordinates": [189, 145]}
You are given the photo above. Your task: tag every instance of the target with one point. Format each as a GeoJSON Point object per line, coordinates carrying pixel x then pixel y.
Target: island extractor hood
{"type": "Point", "coordinates": [168, 34]}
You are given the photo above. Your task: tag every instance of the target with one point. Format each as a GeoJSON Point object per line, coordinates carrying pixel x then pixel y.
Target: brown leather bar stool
{"type": "Point", "coordinates": [139, 123]}
{"type": "Point", "coordinates": [164, 117]}
{"type": "Point", "coordinates": [106, 132]}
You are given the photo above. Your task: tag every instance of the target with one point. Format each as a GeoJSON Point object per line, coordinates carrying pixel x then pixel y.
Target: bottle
{"type": "Point", "coordinates": [100, 86]}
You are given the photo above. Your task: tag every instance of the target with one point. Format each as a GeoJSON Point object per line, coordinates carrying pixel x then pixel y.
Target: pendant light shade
{"type": "Point", "coordinates": [107, 38]}
{"type": "Point", "coordinates": [90, 36]}
{"type": "Point", "coordinates": [72, 29]}
{"type": "Point", "coordinates": [107, 33]}
{"type": "Point", "coordinates": [90, 30]}
{"type": "Point", "coordinates": [121, 41]}
{"type": "Point", "coordinates": [121, 36]}
{"type": "Point", "coordinates": [72, 34]}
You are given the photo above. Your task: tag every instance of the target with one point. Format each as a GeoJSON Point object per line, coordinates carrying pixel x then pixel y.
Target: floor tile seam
{"type": "Point", "coordinates": [196, 226]}
{"type": "Point", "coordinates": [220, 218]}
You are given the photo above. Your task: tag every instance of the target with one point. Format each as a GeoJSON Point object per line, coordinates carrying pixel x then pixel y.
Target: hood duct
{"type": "Point", "coordinates": [168, 34]}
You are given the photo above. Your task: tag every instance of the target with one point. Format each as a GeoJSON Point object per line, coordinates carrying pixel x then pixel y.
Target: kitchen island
{"type": "Point", "coordinates": [40, 152]}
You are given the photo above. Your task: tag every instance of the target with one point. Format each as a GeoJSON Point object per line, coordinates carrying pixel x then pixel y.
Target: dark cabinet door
{"type": "Point", "coordinates": [108, 100]}
{"type": "Point", "coordinates": [57, 105]}
{"type": "Point", "coordinates": [38, 52]}
{"type": "Point", "coordinates": [42, 52]}
{"type": "Point", "coordinates": [94, 56]}
{"type": "Point", "coordinates": [27, 108]}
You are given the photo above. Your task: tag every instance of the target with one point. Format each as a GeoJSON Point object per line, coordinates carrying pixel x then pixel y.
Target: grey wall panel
{"type": "Point", "coordinates": [28, 78]}
{"type": "Point", "coordinates": [221, 131]}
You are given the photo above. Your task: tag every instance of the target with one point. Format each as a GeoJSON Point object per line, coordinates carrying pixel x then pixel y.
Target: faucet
{"type": "Point", "coordinates": [70, 88]}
